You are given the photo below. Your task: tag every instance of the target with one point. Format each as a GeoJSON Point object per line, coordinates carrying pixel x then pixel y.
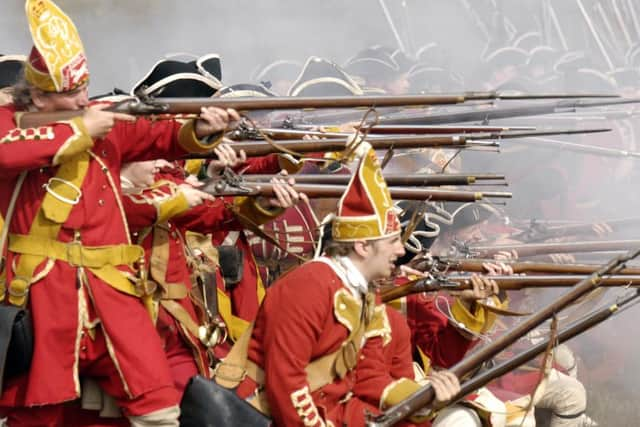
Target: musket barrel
{"type": "Point", "coordinates": [391, 179]}
{"type": "Point", "coordinates": [501, 112]}
{"type": "Point", "coordinates": [193, 105]}
{"type": "Point", "coordinates": [261, 148]}
{"type": "Point", "coordinates": [425, 395]}
{"type": "Point", "coordinates": [565, 334]}
{"type": "Point", "coordinates": [399, 193]}
{"type": "Point", "coordinates": [249, 188]}
{"type": "Point", "coordinates": [506, 283]}
{"type": "Point", "coordinates": [475, 265]}
{"type": "Point", "coordinates": [533, 249]}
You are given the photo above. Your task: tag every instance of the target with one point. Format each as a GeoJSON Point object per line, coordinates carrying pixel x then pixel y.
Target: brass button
{"type": "Point", "coordinates": [101, 202]}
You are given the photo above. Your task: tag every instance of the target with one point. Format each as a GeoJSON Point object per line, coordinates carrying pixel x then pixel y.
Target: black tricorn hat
{"type": "Point", "coordinates": [244, 90]}
{"type": "Point", "coordinates": [282, 69]}
{"type": "Point", "coordinates": [506, 56]}
{"type": "Point", "coordinates": [374, 63]}
{"type": "Point", "coordinates": [10, 68]}
{"type": "Point", "coordinates": [171, 78]}
{"type": "Point", "coordinates": [320, 77]}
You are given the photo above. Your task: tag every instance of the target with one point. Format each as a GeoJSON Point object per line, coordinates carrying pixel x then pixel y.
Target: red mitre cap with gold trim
{"type": "Point", "coordinates": [365, 211]}
{"type": "Point", "coordinates": [57, 62]}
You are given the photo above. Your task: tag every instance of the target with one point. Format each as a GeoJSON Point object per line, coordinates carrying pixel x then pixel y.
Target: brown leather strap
{"type": "Point", "coordinates": [160, 253]}
{"type": "Point", "coordinates": [181, 315]}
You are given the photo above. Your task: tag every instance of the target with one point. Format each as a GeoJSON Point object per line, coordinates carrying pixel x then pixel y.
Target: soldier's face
{"type": "Point", "coordinates": [77, 99]}
{"type": "Point", "coordinates": [382, 255]}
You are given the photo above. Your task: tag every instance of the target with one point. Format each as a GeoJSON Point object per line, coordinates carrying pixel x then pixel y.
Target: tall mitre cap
{"type": "Point", "coordinates": [365, 211]}
{"type": "Point", "coordinates": [57, 62]}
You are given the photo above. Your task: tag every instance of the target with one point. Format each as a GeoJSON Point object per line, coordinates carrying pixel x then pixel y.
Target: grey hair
{"type": "Point", "coordinates": [21, 93]}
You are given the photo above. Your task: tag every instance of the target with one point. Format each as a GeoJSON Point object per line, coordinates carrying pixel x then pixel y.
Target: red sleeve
{"type": "Point", "coordinates": [398, 352]}
{"type": "Point", "coordinates": [140, 212]}
{"type": "Point", "coordinates": [373, 374]}
{"type": "Point", "coordinates": [32, 148]}
{"type": "Point", "coordinates": [209, 217]}
{"type": "Point", "coordinates": [257, 165]}
{"type": "Point", "coordinates": [433, 334]}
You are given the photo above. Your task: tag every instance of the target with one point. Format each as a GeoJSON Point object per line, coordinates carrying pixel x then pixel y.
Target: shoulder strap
{"type": "Point", "coordinates": [12, 205]}
{"type": "Point", "coordinates": [320, 372]}
{"type": "Point", "coordinates": [63, 192]}
{"type": "Point", "coordinates": [5, 228]}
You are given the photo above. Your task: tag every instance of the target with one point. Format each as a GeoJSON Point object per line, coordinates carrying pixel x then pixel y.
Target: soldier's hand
{"type": "Point", "coordinates": [445, 385]}
{"type": "Point", "coordinates": [227, 158]}
{"type": "Point", "coordinates": [601, 229]}
{"type": "Point", "coordinates": [214, 120]}
{"type": "Point", "coordinates": [562, 258]}
{"type": "Point", "coordinates": [285, 195]}
{"type": "Point", "coordinates": [506, 255]}
{"type": "Point", "coordinates": [194, 196]}
{"type": "Point", "coordinates": [482, 287]}
{"type": "Point", "coordinates": [99, 123]}
{"type": "Point", "coordinates": [497, 269]}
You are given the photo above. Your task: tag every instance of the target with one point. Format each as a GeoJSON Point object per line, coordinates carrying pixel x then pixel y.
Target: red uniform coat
{"type": "Point", "coordinates": [55, 299]}
{"type": "Point", "coordinates": [308, 313]}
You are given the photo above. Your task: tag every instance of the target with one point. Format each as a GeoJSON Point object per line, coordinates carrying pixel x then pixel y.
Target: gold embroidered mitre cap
{"type": "Point", "coordinates": [57, 62]}
{"type": "Point", "coordinates": [365, 211]}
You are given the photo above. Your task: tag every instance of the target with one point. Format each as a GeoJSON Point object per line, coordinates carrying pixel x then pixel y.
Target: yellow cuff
{"type": "Point", "coordinates": [171, 207]}
{"type": "Point", "coordinates": [189, 141]}
{"type": "Point", "coordinates": [289, 163]}
{"type": "Point", "coordinates": [474, 322]}
{"type": "Point", "coordinates": [193, 166]}
{"type": "Point", "coordinates": [398, 391]}
{"type": "Point", "coordinates": [250, 208]}
{"type": "Point", "coordinates": [77, 143]}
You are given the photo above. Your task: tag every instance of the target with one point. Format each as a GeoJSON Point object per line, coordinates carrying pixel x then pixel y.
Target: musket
{"type": "Point", "coordinates": [612, 39]}
{"type": "Point", "coordinates": [192, 106]}
{"type": "Point", "coordinates": [425, 395]}
{"type": "Point", "coordinates": [621, 23]}
{"type": "Point", "coordinates": [595, 35]}
{"type": "Point", "coordinates": [533, 249]}
{"type": "Point", "coordinates": [372, 131]}
{"type": "Point", "coordinates": [261, 148]}
{"type": "Point", "coordinates": [485, 115]}
{"type": "Point", "coordinates": [453, 283]}
{"type": "Point", "coordinates": [584, 149]}
{"type": "Point", "coordinates": [564, 334]}
{"type": "Point", "coordinates": [437, 264]}
{"type": "Point", "coordinates": [539, 230]}
{"type": "Point", "coordinates": [234, 185]}
{"type": "Point", "coordinates": [393, 27]}
{"type": "Point", "coordinates": [557, 26]}
{"type": "Point", "coordinates": [634, 17]}
{"type": "Point", "coordinates": [391, 179]}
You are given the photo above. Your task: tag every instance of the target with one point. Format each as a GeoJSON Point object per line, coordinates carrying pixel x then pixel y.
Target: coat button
{"type": "Point", "coordinates": [104, 153]}
{"type": "Point", "coordinates": [101, 202]}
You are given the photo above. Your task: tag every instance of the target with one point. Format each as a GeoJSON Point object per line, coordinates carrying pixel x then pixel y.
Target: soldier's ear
{"type": "Point", "coordinates": [37, 97]}
{"type": "Point", "coordinates": [362, 248]}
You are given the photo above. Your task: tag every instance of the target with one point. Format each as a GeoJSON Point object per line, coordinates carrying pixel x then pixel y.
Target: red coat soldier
{"type": "Point", "coordinates": [69, 257]}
